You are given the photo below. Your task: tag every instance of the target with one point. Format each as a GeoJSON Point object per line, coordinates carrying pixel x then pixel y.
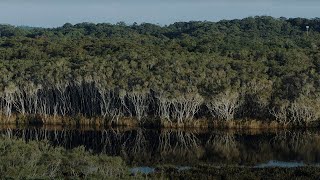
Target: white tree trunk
{"type": "Point", "coordinates": [140, 103]}
{"type": "Point", "coordinates": [224, 105]}
{"type": "Point", "coordinates": [186, 106]}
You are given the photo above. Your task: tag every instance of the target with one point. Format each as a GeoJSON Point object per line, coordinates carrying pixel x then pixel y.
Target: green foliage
{"type": "Point", "coordinates": [275, 55]}
{"type": "Point", "coordinates": [39, 160]}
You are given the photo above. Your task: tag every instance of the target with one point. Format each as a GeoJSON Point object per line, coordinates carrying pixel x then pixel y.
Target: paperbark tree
{"type": "Point", "coordinates": [223, 106]}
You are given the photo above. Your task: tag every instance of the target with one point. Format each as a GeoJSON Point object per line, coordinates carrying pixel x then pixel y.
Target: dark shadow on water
{"type": "Point", "coordinates": [185, 148]}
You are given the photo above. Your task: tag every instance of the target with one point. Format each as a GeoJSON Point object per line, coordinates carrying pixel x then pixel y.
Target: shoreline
{"type": "Point", "coordinates": [131, 122]}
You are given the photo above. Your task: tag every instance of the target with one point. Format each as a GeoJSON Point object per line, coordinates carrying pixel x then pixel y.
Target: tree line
{"type": "Point", "coordinates": [256, 67]}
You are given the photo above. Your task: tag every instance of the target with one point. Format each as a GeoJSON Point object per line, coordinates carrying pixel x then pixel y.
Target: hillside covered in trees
{"type": "Point", "coordinates": [254, 68]}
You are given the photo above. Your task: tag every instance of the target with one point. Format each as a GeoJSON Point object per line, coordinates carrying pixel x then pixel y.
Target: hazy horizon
{"type": "Point", "coordinates": [46, 13]}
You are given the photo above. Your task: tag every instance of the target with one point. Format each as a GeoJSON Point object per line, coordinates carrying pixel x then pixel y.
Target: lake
{"type": "Point", "coordinates": [147, 148]}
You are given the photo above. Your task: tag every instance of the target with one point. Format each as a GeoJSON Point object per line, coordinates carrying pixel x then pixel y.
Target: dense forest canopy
{"type": "Point", "coordinates": [257, 67]}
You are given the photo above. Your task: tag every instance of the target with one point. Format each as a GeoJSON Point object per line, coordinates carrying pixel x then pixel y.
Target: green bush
{"type": "Point", "coordinates": [33, 160]}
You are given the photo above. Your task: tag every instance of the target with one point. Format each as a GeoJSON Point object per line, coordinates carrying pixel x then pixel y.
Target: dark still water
{"type": "Point", "coordinates": [184, 148]}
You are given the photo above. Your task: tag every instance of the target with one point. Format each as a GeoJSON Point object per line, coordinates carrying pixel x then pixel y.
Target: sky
{"type": "Point", "coordinates": [53, 13]}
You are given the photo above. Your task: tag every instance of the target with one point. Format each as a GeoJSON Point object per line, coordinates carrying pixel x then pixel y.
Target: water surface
{"type": "Point", "coordinates": [185, 148]}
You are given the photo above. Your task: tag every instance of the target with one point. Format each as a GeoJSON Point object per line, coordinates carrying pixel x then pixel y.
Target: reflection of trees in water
{"type": "Point", "coordinates": [135, 146]}
{"type": "Point", "coordinates": [138, 144]}
{"type": "Point", "coordinates": [179, 145]}
{"type": "Point", "coordinates": [292, 141]}
{"type": "Point", "coordinates": [222, 146]}
{"type": "Point", "coordinates": [303, 145]}
{"type": "Point", "coordinates": [108, 140]}
{"type": "Point", "coordinates": [111, 141]}
{"type": "Point", "coordinates": [8, 133]}
{"type": "Point", "coordinates": [148, 147]}
{"type": "Point", "coordinates": [61, 137]}
{"type": "Point", "coordinates": [27, 134]}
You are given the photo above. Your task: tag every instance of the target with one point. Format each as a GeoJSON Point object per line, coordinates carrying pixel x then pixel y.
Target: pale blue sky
{"type": "Point", "coordinates": [52, 13]}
